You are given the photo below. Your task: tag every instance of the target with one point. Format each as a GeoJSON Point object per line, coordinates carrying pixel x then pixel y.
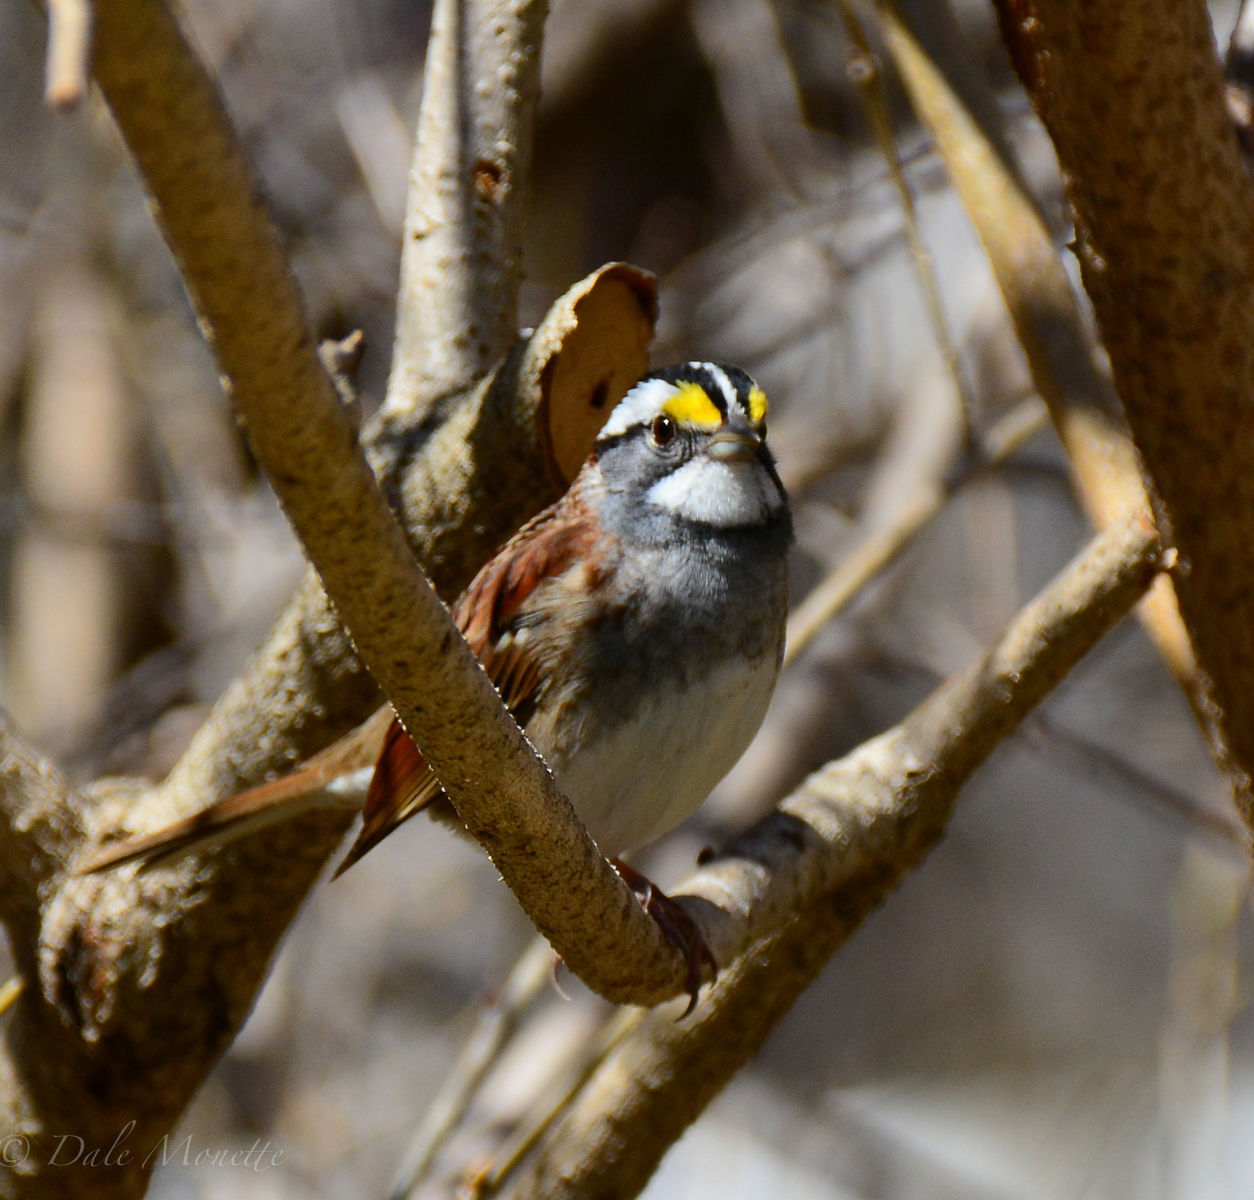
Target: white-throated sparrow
{"type": "Point", "coordinates": [634, 628]}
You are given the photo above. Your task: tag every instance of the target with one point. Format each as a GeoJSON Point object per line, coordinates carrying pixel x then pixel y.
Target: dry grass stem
{"type": "Point", "coordinates": [864, 69]}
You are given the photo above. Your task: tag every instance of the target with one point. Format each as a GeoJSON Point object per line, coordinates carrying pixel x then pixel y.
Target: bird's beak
{"type": "Point", "coordinates": [734, 443]}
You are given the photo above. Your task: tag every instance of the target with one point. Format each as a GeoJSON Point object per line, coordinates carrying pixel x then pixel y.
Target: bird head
{"type": "Point", "coordinates": [689, 442]}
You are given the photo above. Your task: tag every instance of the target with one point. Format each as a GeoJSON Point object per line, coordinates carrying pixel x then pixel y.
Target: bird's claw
{"type": "Point", "coordinates": [676, 925]}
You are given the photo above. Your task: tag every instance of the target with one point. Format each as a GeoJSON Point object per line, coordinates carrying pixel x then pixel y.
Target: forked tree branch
{"type": "Point", "coordinates": [135, 984]}
{"type": "Point", "coordinates": [1132, 95]}
{"type": "Point", "coordinates": [789, 892]}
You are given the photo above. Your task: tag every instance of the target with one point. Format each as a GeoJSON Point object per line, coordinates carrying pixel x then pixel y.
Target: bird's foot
{"type": "Point", "coordinates": [675, 923]}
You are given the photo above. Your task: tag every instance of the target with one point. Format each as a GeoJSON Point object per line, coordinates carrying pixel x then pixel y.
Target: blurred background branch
{"type": "Point", "coordinates": [69, 46]}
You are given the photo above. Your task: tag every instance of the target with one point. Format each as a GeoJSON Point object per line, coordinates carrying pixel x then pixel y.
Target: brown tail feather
{"type": "Point", "coordinates": [402, 785]}
{"type": "Point", "coordinates": [269, 803]}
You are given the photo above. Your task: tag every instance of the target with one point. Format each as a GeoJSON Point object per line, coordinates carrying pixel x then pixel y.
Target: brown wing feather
{"type": "Point", "coordinates": [545, 548]}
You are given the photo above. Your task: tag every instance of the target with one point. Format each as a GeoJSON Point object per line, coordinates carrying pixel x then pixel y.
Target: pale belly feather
{"type": "Point", "coordinates": [633, 783]}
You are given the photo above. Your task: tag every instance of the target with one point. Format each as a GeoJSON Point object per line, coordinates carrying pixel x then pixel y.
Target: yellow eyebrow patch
{"type": "Point", "coordinates": [757, 405]}
{"type": "Point", "coordinates": [693, 407]}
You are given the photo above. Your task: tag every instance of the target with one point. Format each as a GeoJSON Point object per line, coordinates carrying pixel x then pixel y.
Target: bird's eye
{"type": "Point", "coordinates": [663, 431]}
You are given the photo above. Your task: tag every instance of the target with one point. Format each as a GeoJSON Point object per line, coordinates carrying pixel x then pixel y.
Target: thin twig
{"type": "Point", "coordinates": [881, 548]}
{"type": "Point", "coordinates": [497, 1023]}
{"type": "Point", "coordinates": [1044, 733]}
{"type": "Point", "coordinates": [9, 992]}
{"type": "Point", "coordinates": [865, 72]}
{"type": "Point", "coordinates": [620, 1024]}
{"type": "Point", "coordinates": [1129, 777]}
{"type": "Point", "coordinates": [69, 47]}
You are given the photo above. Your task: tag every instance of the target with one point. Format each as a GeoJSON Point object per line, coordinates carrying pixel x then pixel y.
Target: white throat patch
{"type": "Point", "coordinates": [725, 494]}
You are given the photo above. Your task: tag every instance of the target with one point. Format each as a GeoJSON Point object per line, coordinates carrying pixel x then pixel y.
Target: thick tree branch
{"type": "Point", "coordinates": [462, 473]}
{"type": "Point", "coordinates": [298, 429]}
{"type": "Point", "coordinates": [40, 832]}
{"type": "Point", "coordinates": [788, 893]}
{"type": "Point", "coordinates": [1133, 97]}
{"type": "Point", "coordinates": [461, 262]}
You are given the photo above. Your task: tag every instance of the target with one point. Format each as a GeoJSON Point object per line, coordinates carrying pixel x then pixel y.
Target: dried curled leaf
{"type": "Point", "coordinates": [592, 346]}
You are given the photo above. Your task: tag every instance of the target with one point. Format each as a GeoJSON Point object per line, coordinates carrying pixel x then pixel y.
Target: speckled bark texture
{"type": "Point", "coordinates": [1132, 95]}
{"type": "Point", "coordinates": [463, 223]}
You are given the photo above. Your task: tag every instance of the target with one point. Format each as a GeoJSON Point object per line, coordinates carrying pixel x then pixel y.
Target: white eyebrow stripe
{"type": "Point", "coordinates": [638, 407]}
